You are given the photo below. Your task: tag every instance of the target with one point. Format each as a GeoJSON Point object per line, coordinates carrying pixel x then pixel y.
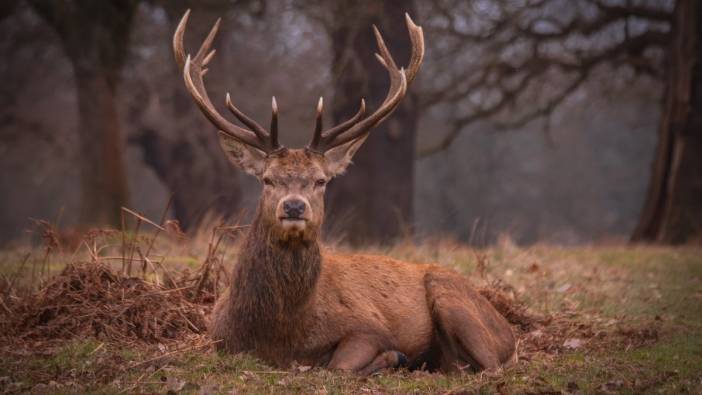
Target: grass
{"type": "Point", "coordinates": [645, 300]}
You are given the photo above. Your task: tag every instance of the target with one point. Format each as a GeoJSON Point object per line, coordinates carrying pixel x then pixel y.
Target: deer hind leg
{"type": "Point", "coordinates": [468, 329]}
{"type": "Point", "coordinates": [363, 356]}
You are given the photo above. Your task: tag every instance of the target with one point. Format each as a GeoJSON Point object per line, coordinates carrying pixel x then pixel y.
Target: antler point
{"type": "Point", "coordinates": [409, 20]}
{"type": "Point", "coordinates": [380, 59]}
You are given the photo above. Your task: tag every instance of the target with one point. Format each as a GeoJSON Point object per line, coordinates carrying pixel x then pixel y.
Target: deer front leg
{"type": "Point", "coordinates": [353, 354]}
{"type": "Point", "coordinates": [385, 360]}
{"type": "Point", "coordinates": [363, 355]}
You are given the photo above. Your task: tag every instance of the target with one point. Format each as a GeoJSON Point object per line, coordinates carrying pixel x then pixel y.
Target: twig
{"type": "Point", "coordinates": [167, 273]}
{"type": "Point", "coordinates": [163, 218]}
{"type": "Point", "coordinates": [141, 217]}
{"type": "Point", "coordinates": [133, 246]}
{"type": "Point", "coordinates": [45, 263]}
{"type": "Point", "coordinates": [182, 315]}
{"type": "Point", "coordinates": [165, 291]}
{"type": "Point", "coordinates": [34, 269]}
{"type": "Point", "coordinates": [115, 257]}
{"type": "Point", "coordinates": [90, 251]}
{"type": "Point", "coordinates": [124, 243]}
{"type": "Point", "coordinates": [148, 261]}
{"type": "Point", "coordinates": [96, 349]}
{"type": "Point", "coordinates": [473, 230]}
{"type": "Point", "coordinates": [19, 270]}
{"type": "Point", "coordinates": [211, 255]}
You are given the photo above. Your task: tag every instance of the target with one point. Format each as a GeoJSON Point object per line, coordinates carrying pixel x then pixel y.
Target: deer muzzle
{"type": "Point", "coordinates": [294, 212]}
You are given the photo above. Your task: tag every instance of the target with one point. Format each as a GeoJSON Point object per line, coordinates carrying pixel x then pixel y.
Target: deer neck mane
{"type": "Point", "coordinates": [273, 281]}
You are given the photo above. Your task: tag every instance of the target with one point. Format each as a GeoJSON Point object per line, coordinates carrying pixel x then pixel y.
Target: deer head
{"type": "Point", "coordinates": [294, 180]}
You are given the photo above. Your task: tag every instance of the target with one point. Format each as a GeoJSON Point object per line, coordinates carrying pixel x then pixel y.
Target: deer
{"type": "Point", "coordinates": [291, 301]}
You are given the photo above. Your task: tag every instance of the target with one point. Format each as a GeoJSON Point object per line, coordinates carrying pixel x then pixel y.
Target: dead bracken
{"type": "Point", "coordinates": [92, 300]}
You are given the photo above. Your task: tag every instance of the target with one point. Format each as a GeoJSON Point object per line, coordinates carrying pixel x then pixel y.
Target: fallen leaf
{"type": "Point", "coordinates": [563, 288]}
{"type": "Point", "coordinates": [573, 343]}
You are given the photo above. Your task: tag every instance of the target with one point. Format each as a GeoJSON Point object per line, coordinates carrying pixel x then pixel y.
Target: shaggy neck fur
{"type": "Point", "coordinates": [273, 283]}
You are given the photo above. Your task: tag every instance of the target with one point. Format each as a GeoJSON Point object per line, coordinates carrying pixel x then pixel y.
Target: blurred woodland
{"type": "Point", "coordinates": [562, 121]}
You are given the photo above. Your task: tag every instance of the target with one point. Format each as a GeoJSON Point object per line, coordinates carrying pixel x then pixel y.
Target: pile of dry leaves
{"type": "Point", "coordinates": [92, 300]}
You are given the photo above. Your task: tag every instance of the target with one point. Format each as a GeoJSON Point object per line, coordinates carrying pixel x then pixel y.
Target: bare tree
{"type": "Point", "coordinates": [95, 37]}
{"type": "Point", "coordinates": [522, 59]}
{"type": "Point", "coordinates": [673, 210]}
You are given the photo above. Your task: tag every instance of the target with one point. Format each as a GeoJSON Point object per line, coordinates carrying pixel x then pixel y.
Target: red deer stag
{"type": "Point", "coordinates": [291, 301]}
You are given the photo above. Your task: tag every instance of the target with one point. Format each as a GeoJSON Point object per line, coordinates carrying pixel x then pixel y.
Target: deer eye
{"type": "Point", "coordinates": [267, 181]}
{"type": "Point", "coordinates": [320, 182]}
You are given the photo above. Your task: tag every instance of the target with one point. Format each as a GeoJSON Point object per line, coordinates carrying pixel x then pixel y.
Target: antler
{"type": "Point", "coordinates": [194, 70]}
{"type": "Point", "coordinates": [355, 128]}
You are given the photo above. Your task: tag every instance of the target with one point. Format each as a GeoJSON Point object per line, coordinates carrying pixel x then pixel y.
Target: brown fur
{"type": "Point", "coordinates": [289, 301]}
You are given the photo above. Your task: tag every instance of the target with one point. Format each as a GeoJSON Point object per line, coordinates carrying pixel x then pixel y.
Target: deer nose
{"type": "Point", "coordinates": [294, 208]}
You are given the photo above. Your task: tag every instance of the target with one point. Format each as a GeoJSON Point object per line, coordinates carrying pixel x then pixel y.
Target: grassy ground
{"type": "Point", "coordinates": [633, 314]}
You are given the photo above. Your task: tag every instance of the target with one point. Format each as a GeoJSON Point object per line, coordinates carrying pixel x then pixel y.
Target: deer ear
{"type": "Point", "coordinates": [249, 159]}
{"type": "Point", "coordinates": [338, 158]}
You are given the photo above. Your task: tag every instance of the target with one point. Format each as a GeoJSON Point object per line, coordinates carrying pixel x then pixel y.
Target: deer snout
{"type": "Point", "coordinates": [294, 208]}
{"type": "Point", "coordinates": [293, 212]}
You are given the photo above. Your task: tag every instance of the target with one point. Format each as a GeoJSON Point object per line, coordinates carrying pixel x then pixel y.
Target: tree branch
{"type": "Point", "coordinates": [572, 47]}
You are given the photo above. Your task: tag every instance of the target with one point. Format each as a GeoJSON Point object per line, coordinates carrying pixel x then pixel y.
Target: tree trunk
{"type": "Point", "coordinates": [673, 209]}
{"type": "Point", "coordinates": [95, 35]}
{"type": "Point", "coordinates": [103, 178]}
{"type": "Point", "coordinates": [373, 201]}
